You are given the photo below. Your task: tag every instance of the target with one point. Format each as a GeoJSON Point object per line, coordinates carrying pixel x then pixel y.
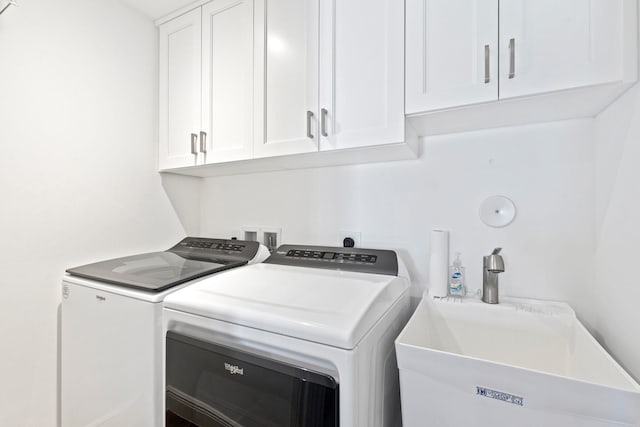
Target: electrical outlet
{"type": "Point", "coordinates": [251, 234]}
{"type": "Point", "coordinates": [271, 237]}
{"type": "Point", "coordinates": [355, 235]}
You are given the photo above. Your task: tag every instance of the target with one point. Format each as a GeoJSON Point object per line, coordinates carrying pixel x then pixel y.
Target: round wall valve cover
{"type": "Point", "coordinates": [497, 211]}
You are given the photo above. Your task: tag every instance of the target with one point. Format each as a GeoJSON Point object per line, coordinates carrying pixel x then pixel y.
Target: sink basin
{"type": "Point", "coordinates": [518, 363]}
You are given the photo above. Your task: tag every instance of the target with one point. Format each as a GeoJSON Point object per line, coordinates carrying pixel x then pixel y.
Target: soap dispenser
{"type": "Point", "coordinates": [456, 278]}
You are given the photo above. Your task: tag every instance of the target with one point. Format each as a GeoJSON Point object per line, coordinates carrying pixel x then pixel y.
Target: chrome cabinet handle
{"type": "Point", "coordinates": [487, 71]}
{"type": "Point", "coordinates": [194, 144]}
{"type": "Point", "coordinates": [323, 122]}
{"type": "Point", "coordinates": [203, 142]}
{"type": "Point", "coordinates": [309, 118]}
{"type": "Point", "coordinates": [512, 58]}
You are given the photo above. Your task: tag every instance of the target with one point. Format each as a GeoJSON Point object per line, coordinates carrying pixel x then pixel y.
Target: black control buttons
{"type": "Point", "coordinates": [227, 247]}
{"type": "Point", "coordinates": [350, 258]}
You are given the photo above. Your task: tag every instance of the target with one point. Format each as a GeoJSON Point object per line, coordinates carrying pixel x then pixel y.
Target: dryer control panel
{"type": "Point", "coordinates": [374, 261]}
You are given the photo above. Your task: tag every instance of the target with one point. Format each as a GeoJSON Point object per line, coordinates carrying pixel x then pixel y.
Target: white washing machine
{"type": "Point", "coordinates": [111, 339]}
{"type": "Point", "coordinates": [304, 339]}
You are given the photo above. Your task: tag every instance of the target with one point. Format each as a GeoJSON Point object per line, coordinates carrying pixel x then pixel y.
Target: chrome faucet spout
{"type": "Point", "coordinates": [492, 266]}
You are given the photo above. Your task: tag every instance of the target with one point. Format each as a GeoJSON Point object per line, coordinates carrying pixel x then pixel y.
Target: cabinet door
{"type": "Point", "coordinates": [179, 90]}
{"type": "Point", "coordinates": [549, 45]}
{"type": "Point", "coordinates": [362, 73]}
{"type": "Point", "coordinates": [227, 80]}
{"type": "Point", "coordinates": [286, 77]}
{"type": "Point", "coordinates": [452, 53]}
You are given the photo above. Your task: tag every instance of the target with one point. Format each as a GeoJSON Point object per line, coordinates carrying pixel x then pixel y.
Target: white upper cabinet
{"type": "Point", "coordinates": [329, 75]}
{"type": "Point", "coordinates": [227, 80]}
{"type": "Point", "coordinates": [179, 91]}
{"type": "Point", "coordinates": [361, 73]}
{"type": "Point", "coordinates": [575, 56]}
{"type": "Point", "coordinates": [206, 85]}
{"type": "Point", "coordinates": [286, 77]}
{"type": "Point", "coordinates": [452, 53]}
{"type": "Point", "coordinates": [268, 81]}
{"type": "Point", "coordinates": [548, 45]}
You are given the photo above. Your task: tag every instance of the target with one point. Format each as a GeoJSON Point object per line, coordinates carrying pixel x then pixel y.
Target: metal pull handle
{"type": "Point", "coordinates": [309, 117]}
{"type": "Point", "coordinates": [323, 122]}
{"type": "Point", "coordinates": [487, 71]}
{"type": "Point", "coordinates": [194, 144]}
{"type": "Point", "coordinates": [203, 142]}
{"type": "Point", "coordinates": [512, 58]}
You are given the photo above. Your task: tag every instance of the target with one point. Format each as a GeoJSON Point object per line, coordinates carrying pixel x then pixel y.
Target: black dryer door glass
{"type": "Point", "coordinates": [209, 385]}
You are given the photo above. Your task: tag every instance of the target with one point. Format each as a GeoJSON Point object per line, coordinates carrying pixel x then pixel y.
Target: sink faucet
{"type": "Point", "coordinates": [492, 266]}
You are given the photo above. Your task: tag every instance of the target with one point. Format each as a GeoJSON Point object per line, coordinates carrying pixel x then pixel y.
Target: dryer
{"type": "Point", "coordinates": [111, 328]}
{"type": "Point", "coordinates": [303, 339]}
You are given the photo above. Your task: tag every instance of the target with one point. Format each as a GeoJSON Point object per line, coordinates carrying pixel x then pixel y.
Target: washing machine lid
{"type": "Point", "coordinates": [189, 259]}
{"type": "Point", "coordinates": [329, 307]}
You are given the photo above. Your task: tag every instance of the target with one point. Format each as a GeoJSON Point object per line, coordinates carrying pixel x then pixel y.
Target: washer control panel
{"type": "Point", "coordinates": [373, 261]}
{"type": "Point", "coordinates": [212, 245]}
{"type": "Point", "coordinates": [215, 249]}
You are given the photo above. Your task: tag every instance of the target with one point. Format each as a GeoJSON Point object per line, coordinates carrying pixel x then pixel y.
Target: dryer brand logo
{"type": "Point", "coordinates": [233, 369]}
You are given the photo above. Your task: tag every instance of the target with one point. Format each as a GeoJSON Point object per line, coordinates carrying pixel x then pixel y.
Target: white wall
{"type": "Point", "coordinates": [547, 170]}
{"type": "Point", "coordinates": [77, 174]}
{"type": "Point", "coordinates": [617, 292]}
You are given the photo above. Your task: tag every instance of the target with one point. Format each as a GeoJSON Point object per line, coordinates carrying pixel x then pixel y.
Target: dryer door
{"type": "Point", "coordinates": [212, 385]}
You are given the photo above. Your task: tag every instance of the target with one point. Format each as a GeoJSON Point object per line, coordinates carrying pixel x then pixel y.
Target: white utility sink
{"type": "Point", "coordinates": [518, 363]}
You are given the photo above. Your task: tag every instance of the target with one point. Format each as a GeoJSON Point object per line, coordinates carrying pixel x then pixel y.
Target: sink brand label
{"type": "Point", "coordinates": [233, 369]}
{"type": "Point", "coordinates": [499, 395]}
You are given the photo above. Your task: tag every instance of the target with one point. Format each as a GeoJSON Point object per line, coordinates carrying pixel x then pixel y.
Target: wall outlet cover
{"type": "Point", "coordinates": [271, 237]}
{"type": "Point", "coordinates": [251, 234]}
